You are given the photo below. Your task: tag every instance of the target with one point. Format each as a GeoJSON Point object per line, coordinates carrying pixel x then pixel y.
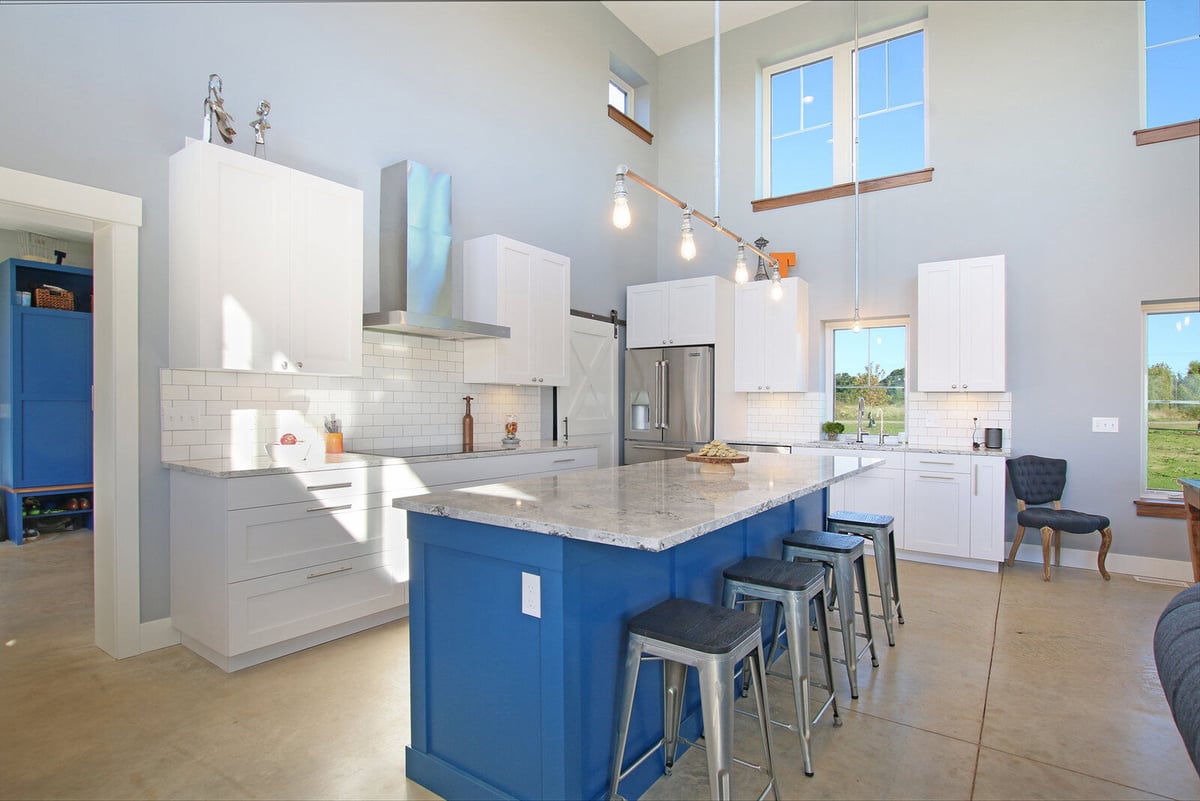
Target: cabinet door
{"type": "Point", "coordinates": [692, 312]}
{"type": "Point", "coordinates": [326, 278]}
{"type": "Point", "coordinates": [785, 321]}
{"type": "Point", "coordinates": [987, 507]}
{"type": "Point", "coordinates": [878, 491]}
{"type": "Point", "coordinates": [750, 337]}
{"type": "Point", "coordinates": [646, 315]}
{"type": "Point", "coordinates": [937, 327]}
{"type": "Point", "coordinates": [248, 295]}
{"type": "Point", "coordinates": [981, 356]}
{"type": "Point", "coordinates": [514, 271]}
{"type": "Point", "coordinates": [550, 287]}
{"type": "Point", "coordinates": [937, 512]}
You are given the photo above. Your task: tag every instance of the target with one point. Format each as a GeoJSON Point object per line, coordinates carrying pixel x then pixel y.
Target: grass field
{"type": "Point", "coordinates": [1173, 451]}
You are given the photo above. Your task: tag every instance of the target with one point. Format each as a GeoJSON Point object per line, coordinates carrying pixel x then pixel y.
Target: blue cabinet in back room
{"type": "Point", "coordinates": [45, 392]}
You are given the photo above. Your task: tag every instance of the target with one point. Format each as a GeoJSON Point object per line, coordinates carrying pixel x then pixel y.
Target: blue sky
{"type": "Point", "coordinates": [1172, 61]}
{"type": "Point", "coordinates": [882, 346]}
{"type": "Point", "coordinates": [1173, 338]}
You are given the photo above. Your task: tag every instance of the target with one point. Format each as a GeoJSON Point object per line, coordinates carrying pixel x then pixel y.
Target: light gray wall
{"type": "Point", "coordinates": [510, 98]}
{"type": "Point", "coordinates": [1031, 107]}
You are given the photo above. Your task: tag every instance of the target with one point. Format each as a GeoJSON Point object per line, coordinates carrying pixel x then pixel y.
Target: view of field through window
{"type": "Point", "coordinates": [1172, 398]}
{"type": "Point", "coordinates": [869, 364]}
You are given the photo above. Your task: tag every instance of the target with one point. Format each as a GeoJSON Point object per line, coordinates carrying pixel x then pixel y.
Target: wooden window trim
{"type": "Point", "coordinates": [843, 190]}
{"type": "Point", "coordinates": [1172, 509]}
{"type": "Point", "coordinates": [1165, 133]}
{"type": "Point", "coordinates": [630, 124]}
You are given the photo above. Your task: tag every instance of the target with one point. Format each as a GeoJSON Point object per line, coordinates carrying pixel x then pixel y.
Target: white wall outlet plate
{"type": "Point", "coordinates": [181, 416]}
{"type": "Point", "coordinates": [1104, 425]}
{"type": "Point", "coordinates": [531, 594]}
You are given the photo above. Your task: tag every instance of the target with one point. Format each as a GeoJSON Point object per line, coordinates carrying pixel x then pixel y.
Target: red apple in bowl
{"type": "Point", "coordinates": [287, 439]}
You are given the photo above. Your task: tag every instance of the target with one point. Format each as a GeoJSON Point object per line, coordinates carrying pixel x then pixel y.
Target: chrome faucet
{"type": "Point", "coordinates": [862, 407]}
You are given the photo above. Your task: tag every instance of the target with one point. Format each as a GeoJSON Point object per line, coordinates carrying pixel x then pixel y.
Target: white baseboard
{"type": "Point", "coordinates": [157, 634]}
{"type": "Point", "coordinates": [1151, 567]}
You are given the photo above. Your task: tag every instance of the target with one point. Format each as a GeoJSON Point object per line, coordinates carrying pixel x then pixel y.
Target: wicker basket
{"type": "Point", "coordinates": [53, 298]}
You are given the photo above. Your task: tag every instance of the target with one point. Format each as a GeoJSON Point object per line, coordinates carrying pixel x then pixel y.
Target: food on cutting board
{"type": "Point", "coordinates": [718, 449]}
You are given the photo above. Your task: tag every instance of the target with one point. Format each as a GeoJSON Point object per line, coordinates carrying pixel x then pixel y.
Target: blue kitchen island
{"type": "Point", "coordinates": [520, 593]}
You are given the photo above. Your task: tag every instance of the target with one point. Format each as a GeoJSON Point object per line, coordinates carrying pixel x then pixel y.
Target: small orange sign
{"type": "Point", "coordinates": [786, 259]}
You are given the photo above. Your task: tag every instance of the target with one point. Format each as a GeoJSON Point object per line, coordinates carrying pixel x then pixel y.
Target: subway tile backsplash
{"type": "Point", "coordinates": [409, 395]}
{"type": "Point", "coordinates": [787, 417]}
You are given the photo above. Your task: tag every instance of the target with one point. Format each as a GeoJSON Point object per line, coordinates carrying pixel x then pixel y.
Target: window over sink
{"type": "Point", "coordinates": [1170, 448]}
{"type": "Point", "coordinates": [872, 364]}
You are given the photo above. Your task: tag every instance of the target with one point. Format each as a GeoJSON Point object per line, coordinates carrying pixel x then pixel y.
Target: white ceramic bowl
{"type": "Point", "coordinates": [287, 454]}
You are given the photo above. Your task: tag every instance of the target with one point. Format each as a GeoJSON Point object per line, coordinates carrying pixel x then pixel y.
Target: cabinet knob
{"type": "Point", "coordinates": [954, 386]}
{"type": "Point", "coordinates": [541, 379]}
{"type": "Point", "coordinates": [283, 365]}
{"type": "Point", "coordinates": [672, 342]}
{"type": "Point", "coordinates": [964, 386]}
{"type": "Point", "coordinates": [299, 365]}
{"type": "Point", "coordinates": [664, 341]}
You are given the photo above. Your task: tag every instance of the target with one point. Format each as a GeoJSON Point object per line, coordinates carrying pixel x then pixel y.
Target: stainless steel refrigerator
{"type": "Point", "coordinates": [668, 402]}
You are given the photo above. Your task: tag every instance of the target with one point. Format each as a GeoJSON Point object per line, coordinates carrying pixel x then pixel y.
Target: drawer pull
{"type": "Point", "coordinates": [320, 487]}
{"type": "Point", "coordinates": [926, 461]}
{"type": "Point", "coordinates": [330, 572]}
{"type": "Point", "coordinates": [330, 508]}
{"type": "Point", "coordinates": [940, 478]}
{"type": "Point", "coordinates": [560, 461]}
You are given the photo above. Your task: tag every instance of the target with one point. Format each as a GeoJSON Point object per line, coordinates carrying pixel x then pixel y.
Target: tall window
{"type": "Point", "coordinates": [1172, 445]}
{"type": "Point", "coordinates": [1172, 61]}
{"type": "Point", "coordinates": [871, 365]}
{"type": "Point", "coordinates": [808, 136]}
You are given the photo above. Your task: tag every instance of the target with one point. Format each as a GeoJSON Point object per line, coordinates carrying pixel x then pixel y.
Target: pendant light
{"type": "Point", "coordinates": [620, 214]}
{"type": "Point", "coordinates": [687, 242]}
{"type": "Point", "coordinates": [741, 271]}
{"type": "Point", "coordinates": [857, 325]}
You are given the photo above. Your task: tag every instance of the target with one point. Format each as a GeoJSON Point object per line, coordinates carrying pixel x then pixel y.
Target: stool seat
{"type": "Point", "coordinates": [690, 624]}
{"type": "Point", "coordinates": [824, 541]}
{"type": "Point", "coordinates": [861, 518]}
{"type": "Point", "coordinates": [790, 576]}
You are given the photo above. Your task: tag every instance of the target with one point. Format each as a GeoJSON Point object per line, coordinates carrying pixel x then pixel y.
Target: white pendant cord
{"type": "Point", "coordinates": [854, 158]}
{"type": "Point", "coordinates": [717, 111]}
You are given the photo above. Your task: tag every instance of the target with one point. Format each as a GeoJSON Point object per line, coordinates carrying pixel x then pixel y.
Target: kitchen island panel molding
{"type": "Point", "coordinates": [540, 723]}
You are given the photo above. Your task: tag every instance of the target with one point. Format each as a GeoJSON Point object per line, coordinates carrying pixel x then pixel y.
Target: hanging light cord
{"type": "Point", "coordinates": [717, 113]}
{"type": "Point", "coordinates": [854, 156]}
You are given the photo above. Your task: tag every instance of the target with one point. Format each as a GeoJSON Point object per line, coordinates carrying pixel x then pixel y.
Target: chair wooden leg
{"type": "Point", "coordinates": [1012, 554]}
{"type": "Point", "coordinates": [1105, 542]}
{"type": "Point", "coordinates": [1047, 536]}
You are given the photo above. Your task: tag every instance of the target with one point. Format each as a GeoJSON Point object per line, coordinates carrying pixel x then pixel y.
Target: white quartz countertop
{"type": "Point", "coordinates": [263, 466]}
{"type": "Point", "coordinates": [651, 506]}
{"type": "Point", "coordinates": [869, 445]}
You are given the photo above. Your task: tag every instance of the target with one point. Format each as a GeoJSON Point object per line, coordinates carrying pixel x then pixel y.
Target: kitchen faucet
{"type": "Point", "coordinates": [862, 406]}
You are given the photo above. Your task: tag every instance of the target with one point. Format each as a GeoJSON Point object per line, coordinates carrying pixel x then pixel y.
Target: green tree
{"type": "Point", "coordinates": [869, 385]}
{"type": "Point", "coordinates": [1160, 382]}
{"type": "Point", "coordinates": [1193, 368]}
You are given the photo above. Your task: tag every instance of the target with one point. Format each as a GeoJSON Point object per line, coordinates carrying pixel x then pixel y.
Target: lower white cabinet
{"type": "Point", "coordinates": [262, 566]}
{"type": "Point", "coordinates": [937, 494]}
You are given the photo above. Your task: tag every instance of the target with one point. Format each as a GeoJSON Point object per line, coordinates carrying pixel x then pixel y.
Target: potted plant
{"type": "Point", "coordinates": [831, 429]}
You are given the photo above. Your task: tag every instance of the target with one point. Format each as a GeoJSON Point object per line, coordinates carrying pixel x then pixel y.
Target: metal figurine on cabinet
{"type": "Point", "coordinates": [761, 243]}
{"type": "Point", "coordinates": [260, 126]}
{"type": "Point", "coordinates": [214, 105]}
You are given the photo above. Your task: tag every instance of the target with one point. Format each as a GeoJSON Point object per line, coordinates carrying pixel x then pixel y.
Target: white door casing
{"type": "Point", "coordinates": [589, 401]}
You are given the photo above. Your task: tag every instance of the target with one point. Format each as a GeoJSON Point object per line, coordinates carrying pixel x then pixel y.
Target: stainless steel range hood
{"type": "Point", "coordinates": [414, 258]}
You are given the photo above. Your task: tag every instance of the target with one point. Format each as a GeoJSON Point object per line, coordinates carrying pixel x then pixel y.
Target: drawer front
{"type": "Point", "coordinates": [276, 608]}
{"type": "Point", "coordinates": [937, 463]}
{"type": "Point", "coordinates": [276, 539]}
{"type": "Point", "coordinates": [319, 485]}
{"type": "Point", "coordinates": [893, 459]}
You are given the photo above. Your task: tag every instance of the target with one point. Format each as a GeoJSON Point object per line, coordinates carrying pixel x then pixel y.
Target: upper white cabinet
{"type": "Point", "coordinates": [769, 337]}
{"type": "Point", "coordinates": [671, 313]}
{"type": "Point", "coordinates": [528, 289]}
{"type": "Point", "coordinates": [960, 325]}
{"type": "Point", "coordinates": [265, 266]}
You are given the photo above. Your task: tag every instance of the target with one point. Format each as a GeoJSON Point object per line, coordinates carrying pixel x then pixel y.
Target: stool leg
{"type": "Point", "coordinates": [674, 678]}
{"type": "Point", "coordinates": [843, 580]}
{"type": "Point", "coordinates": [883, 569]}
{"type": "Point", "coordinates": [860, 568]}
{"type": "Point", "coordinates": [633, 660]}
{"type": "Point", "coordinates": [716, 707]}
{"type": "Point", "coordinates": [797, 634]}
{"type": "Point", "coordinates": [759, 670]}
{"type": "Point", "coordinates": [818, 605]}
{"type": "Point", "coordinates": [895, 577]}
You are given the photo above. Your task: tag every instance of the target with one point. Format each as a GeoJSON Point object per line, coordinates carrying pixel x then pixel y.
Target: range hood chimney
{"type": "Point", "coordinates": [414, 258]}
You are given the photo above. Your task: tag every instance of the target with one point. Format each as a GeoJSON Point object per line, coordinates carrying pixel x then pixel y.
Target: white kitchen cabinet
{"type": "Point", "coordinates": [769, 337]}
{"type": "Point", "coordinates": [937, 500]}
{"type": "Point", "coordinates": [265, 266]}
{"type": "Point", "coordinates": [528, 289]}
{"type": "Point", "coordinates": [987, 508]}
{"type": "Point", "coordinates": [263, 566]}
{"type": "Point", "coordinates": [670, 313]}
{"type": "Point", "coordinates": [960, 325]}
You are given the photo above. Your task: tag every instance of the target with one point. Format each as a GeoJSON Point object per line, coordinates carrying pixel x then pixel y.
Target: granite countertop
{"type": "Point", "coordinates": [264, 466]}
{"type": "Point", "coordinates": [961, 450]}
{"type": "Point", "coordinates": [650, 506]}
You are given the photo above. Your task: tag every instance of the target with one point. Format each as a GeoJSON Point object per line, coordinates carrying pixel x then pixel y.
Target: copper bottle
{"type": "Point", "coordinates": [468, 427]}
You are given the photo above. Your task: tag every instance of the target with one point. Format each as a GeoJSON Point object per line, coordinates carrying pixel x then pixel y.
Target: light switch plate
{"type": "Point", "coordinates": [1104, 425]}
{"type": "Point", "coordinates": [531, 594]}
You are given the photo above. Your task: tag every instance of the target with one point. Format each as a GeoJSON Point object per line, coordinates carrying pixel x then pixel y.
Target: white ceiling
{"type": "Point", "coordinates": [667, 26]}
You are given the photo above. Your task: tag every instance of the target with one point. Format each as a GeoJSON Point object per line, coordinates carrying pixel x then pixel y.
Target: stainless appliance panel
{"type": "Point", "coordinates": [637, 452]}
{"type": "Point", "coordinates": [688, 400]}
{"type": "Point", "coordinates": [643, 413]}
{"type": "Point", "coordinates": [759, 447]}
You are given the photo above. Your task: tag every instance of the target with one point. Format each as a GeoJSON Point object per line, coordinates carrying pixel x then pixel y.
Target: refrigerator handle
{"type": "Point", "coordinates": [664, 398]}
{"type": "Point", "coordinates": [658, 394]}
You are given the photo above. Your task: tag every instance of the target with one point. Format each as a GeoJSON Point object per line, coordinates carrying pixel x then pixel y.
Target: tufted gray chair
{"type": "Point", "coordinates": [1036, 481]}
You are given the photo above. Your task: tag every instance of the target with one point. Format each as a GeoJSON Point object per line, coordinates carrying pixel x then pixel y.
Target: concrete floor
{"type": "Point", "coordinates": [1000, 687]}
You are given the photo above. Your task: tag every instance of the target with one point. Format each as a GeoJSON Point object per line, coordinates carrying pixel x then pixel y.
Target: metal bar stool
{"type": "Point", "coordinates": [797, 587]}
{"type": "Point", "coordinates": [843, 554]}
{"type": "Point", "coordinates": [881, 531]}
{"type": "Point", "coordinates": [712, 639]}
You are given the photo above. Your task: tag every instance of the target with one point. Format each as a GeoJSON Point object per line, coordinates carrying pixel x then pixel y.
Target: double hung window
{"type": "Point", "coordinates": [1172, 409]}
{"type": "Point", "coordinates": [869, 364]}
{"type": "Point", "coordinates": [1172, 88]}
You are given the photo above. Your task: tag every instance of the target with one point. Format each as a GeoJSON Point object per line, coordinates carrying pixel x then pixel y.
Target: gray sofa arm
{"type": "Point", "coordinates": [1177, 655]}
